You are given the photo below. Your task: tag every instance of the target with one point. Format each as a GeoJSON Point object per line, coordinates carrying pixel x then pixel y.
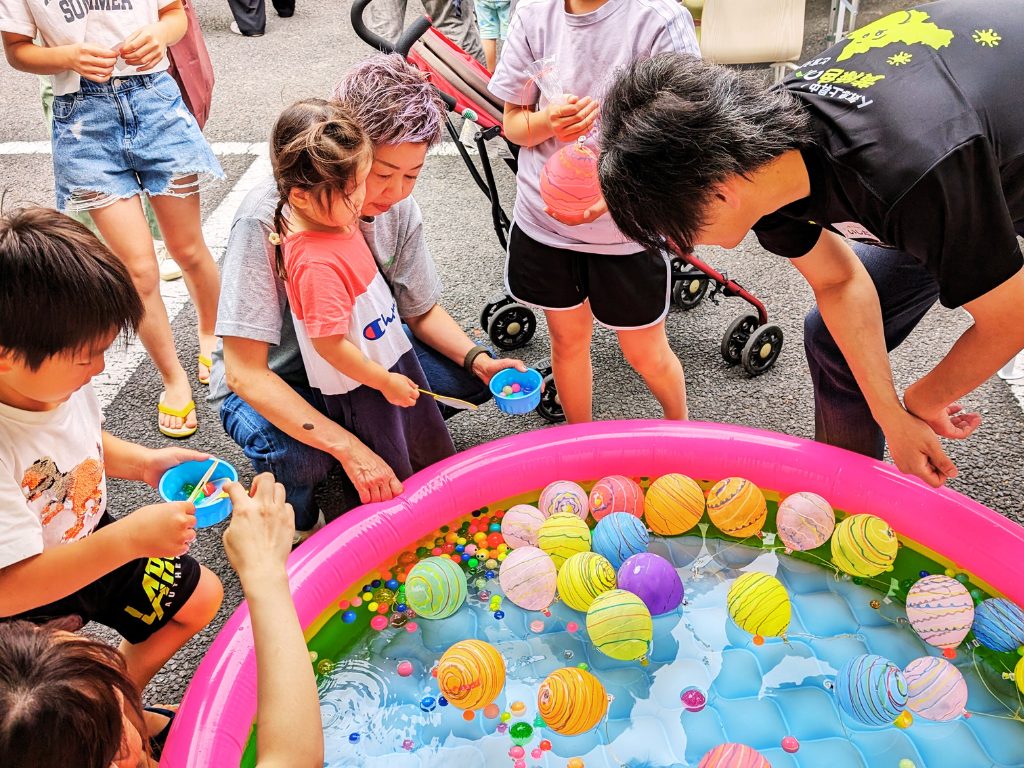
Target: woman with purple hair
{"type": "Point", "coordinates": [258, 380]}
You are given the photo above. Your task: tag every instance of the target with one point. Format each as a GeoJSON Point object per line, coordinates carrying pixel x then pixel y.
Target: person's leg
{"type": "Point", "coordinates": [180, 218]}
{"type": "Point", "coordinates": [447, 378]}
{"type": "Point", "coordinates": [250, 16]}
{"type": "Point", "coordinates": [387, 18]}
{"type": "Point", "coordinates": [123, 226]}
{"type": "Point", "coordinates": [285, 8]}
{"type": "Point", "coordinates": [648, 351]}
{"type": "Point", "coordinates": [490, 46]}
{"type": "Point", "coordinates": [571, 331]}
{"type": "Point", "coordinates": [488, 22]}
{"type": "Point", "coordinates": [906, 291]}
{"type": "Point", "coordinates": [300, 468]}
{"type": "Point", "coordinates": [146, 658]}
{"type": "Point", "coordinates": [456, 19]}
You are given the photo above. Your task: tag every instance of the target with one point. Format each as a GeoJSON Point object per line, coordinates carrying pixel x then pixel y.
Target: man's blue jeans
{"type": "Point", "coordinates": [299, 467]}
{"type": "Point", "coordinates": [906, 291]}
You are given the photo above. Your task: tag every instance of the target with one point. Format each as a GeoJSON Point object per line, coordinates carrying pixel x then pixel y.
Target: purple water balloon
{"type": "Point", "coordinates": [654, 580]}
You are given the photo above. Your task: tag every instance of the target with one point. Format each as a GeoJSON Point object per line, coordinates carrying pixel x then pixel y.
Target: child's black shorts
{"type": "Point", "coordinates": [136, 599]}
{"type": "Point", "coordinates": [625, 292]}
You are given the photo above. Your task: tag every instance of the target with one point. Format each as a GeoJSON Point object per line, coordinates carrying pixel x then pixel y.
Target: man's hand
{"type": "Point", "coordinates": [372, 477]}
{"type": "Point", "coordinates": [485, 366]}
{"type": "Point", "coordinates": [93, 62]}
{"type": "Point", "coordinates": [159, 460]}
{"type": "Point", "coordinates": [949, 421]}
{"type": "Point", "coordinates": [262, 526]}
{"type": "Point", "coordinates": [573, 118]}
{"type": "Point", "coordinates": [598, 209]}
{"type": "Point", "coordinates": [916, 451]}
{"type": "Point", "coordinates": [144, 48]}
{"type": "Point", "coordinates": [161, 530]}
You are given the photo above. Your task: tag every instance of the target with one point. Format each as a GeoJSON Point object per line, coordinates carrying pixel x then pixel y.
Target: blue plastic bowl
{"type": "Point", "coordinates": [192, 472]}
{"type": "Point", "coordinates": [523, 401]}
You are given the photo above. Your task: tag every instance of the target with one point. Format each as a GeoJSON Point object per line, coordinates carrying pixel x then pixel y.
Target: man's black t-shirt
{"type": "Point", "coordinates": [919, 123]}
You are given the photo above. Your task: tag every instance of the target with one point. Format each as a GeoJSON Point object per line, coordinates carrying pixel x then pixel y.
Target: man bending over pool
{"type": "Point", "coordinates": [906, 140]}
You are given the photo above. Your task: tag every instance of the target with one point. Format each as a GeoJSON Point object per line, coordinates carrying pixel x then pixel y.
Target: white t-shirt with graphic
{"type": "Point", "coordinates": [105, 23]}
{"type": "Point", "coordinates": [53, 487]}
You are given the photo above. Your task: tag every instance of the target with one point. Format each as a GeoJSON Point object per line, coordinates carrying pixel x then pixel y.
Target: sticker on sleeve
{"type": "Point", "coordinates": [854, 231]}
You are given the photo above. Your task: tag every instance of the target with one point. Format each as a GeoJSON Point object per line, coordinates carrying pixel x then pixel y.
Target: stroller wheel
{"type": "Point", "coordinates": [736, 336]}
{"type": "Point", "coordinates": [493, 304]}
{"type": "Point", "coordinates": [512, 326]}
{"type": "Point", "coordinates": [549, 408]}
{"type": "Point", "coordinates": [688, 292]}
{"type": "Point", "coordinates": [762, 349]}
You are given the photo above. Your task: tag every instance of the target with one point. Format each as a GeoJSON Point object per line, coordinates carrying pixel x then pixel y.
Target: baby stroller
{"type": "Point", "coordinates": [749, 340]}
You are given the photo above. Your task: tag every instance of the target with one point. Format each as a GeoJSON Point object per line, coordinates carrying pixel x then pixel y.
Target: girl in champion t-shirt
{"type": "Point", "coordinates": [353, 345]}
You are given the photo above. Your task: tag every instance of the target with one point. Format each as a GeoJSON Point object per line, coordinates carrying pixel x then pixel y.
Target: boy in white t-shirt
{"type": "Point", "coordinates": [64, 297]}
{"type": "Point", "coordinates": [581, 270]}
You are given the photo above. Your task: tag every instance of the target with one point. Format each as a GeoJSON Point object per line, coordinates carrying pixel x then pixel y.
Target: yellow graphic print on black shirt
{"type": "Point", "coordinates": [907, 27]}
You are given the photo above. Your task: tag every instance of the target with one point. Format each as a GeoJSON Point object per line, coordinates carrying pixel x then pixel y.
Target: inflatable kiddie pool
{"type": "Point", "coordinates": [837, 681]}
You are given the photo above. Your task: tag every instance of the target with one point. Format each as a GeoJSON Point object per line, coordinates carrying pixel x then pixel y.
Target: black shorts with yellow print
{"type": "Point", "coordinates": [136, 599]}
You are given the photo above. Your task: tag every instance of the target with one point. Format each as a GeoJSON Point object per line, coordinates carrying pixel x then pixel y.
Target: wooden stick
{"type": "Point", "coordinates": [202, 483]}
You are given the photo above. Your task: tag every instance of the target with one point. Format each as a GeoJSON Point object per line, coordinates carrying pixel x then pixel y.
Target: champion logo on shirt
{"type": "Point", "coordinates": [376, 329]}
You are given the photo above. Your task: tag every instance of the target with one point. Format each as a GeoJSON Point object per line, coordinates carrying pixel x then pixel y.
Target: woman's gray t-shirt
{"type": "Point", "coordinates": [253, 303]}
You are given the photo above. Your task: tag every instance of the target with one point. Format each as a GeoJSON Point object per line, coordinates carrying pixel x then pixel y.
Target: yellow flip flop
{"type": "Point", "coordinates": [204, 360]}
{"type": "Point", "coordinates": [181, 413]}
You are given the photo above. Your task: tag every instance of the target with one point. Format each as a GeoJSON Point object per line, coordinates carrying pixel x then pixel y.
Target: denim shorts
{"type": "Point", "coordinates": [130, 135]}
{"type": "Point", "coordinates": [492, 16]}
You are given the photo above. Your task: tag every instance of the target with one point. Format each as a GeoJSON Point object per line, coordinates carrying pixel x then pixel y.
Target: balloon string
{"type": "Point", "coordinates": [1020, 704]}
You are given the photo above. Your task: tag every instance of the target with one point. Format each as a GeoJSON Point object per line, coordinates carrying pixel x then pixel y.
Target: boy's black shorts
{"type": "Point", "coordinates": [625, 292]}
{"type": "Point", "coordinates": [136, 599]}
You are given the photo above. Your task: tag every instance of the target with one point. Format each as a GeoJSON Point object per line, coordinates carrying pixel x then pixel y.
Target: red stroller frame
{"type": "Point", "coordinates": [462, 82]}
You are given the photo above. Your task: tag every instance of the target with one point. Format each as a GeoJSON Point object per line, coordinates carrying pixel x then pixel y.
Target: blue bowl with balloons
{"type": "Point", "coordinates": [517, 391]}
{"type": "Point", "coordinates": [178, 482]}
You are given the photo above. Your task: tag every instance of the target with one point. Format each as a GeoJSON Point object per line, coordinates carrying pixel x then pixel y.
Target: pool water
{"type": "Point", "coordinates": [757, 695]}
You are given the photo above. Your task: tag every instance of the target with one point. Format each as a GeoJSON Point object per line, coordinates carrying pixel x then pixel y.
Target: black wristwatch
{"type": "Point", "coordinates": [472, 355]}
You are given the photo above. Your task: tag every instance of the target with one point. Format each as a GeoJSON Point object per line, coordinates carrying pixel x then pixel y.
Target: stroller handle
{"type": "Point", "coordinates": [404, 44]}
{"type": "Point", "coordinates": [371, 38]}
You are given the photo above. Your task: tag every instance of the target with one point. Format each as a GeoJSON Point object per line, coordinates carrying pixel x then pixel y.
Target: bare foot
{"type": "Point", "coordinates": [207, 344]}
{"type": "Point", "coordinates": [177, 396]}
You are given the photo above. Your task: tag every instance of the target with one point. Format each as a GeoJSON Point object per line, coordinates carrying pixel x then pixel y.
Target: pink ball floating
{"type": "Point", "coordinates": [733, 756]}
{"type": "Point", "coordinates": [616, 493]}
{"type": "Point", "coordinates": [693, 699]}
{"type": "Point", "coordinates": [404, 668]}
{"type": "Point", "coordinates": [516, 752]}
{"type": "Point", "coordinates": [568, 182]}
{"type": "Point", "coordinates": [790, 744]}
{"type": "Point", "coordinates": [379, 622]}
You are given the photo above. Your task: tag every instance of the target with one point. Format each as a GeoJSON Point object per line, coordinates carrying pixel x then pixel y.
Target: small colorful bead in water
{"type": "Point", "coordinates": [907, 763]}
{"type": "Point", "coordinates": [495, 528]}
{"type": "Point", "coordinates": [473, 562]}
{"type": "Point", "coordinates": [575, 763]}
{"type": "Point", "coordinates": [521, 733]}
{"type": "Point", "coordinates": [325, 667]}
{"type": "Point", "coordinates": [367, 595]}
{"type": "Point", "coordinates": [516, 752]}
{"type": "Point", "coordinates": [517, 707]}
{"type": "Point", "coordinates": [519, 763]}
{"type": "Point", "coordinates": [353, 738]}
{"type": "Point", "coordinates": [499, 615]}
{"type": "Point", "coordinates": [583, 665]}
{"type": "Point", "coordinates": [372, 607]}
{"type": "Point", "coordinates": [572, 626]}
{"type": "Point", "coordinates": [506, 716]}
{"type": "Point", "coordinates": [537, 626]}
{"type": "Point", "coordinates": [468, 715]}
{"type": "Point", "coordinates": [506, 390]}
{"type": "Point", "coordinates": [348, 617]}
{"type": "Point", "coordinates": [407, 745]}
{"type": "Point", "coordinates": [491, 711]}
{"type": "Point", "coordinates": [905, 720]}
{"type": "Point", "coordinates": [516, 387]}
{"type": "Point", "coordinates": [790, 744]}
{"type": "Point", "coordinates": [501, 727]}
{"type": "Point", "coordinates": [412, 626]}
{"type": "Point", "coordinates": [401, 607]}
{"type": "Point", "coordinates": [693, 699]}
{"type": "Point", "coordinates": [442, 701]}
{"type": "Point", "coordinates": [545, 745]}
{"type": "Point", "coordinates": [484, 595]}
{"type": "Point", "coordinates": [567, 654]}
{"type": "Point", "coordinates": [536, 753]}
{"type": "Point", "coordinates": [379, 622]}
{"type": "Point", "coordinates": [428, 703]}
{"type": "Point", "coordinates": [404, 668]}
{"type": "Point", "coordinates": [538, 722]}
{"type": "Point", "coordinates": [356, 602]}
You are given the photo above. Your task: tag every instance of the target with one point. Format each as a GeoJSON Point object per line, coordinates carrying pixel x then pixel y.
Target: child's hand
{"type": "Point", "coordinates": [573, 118]}
{"type": "Point", "coordinates": [144, 48]}
{"type": "Point", "coordinates": [598, 209]}
{"type": "Point", "coordinates": [262, 526]}
{"type": "Point", "coordinates": [93, 62]}
{"type": "Point", "coordinates": [159, 460]}
{"type": "Point", "coordinates": [400, 390]}
{"type": "Point", "coordinates": [162, 530]}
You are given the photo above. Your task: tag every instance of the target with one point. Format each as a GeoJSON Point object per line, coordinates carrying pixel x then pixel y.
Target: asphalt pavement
{"type": "Point", "coordinates": [303, 56]}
